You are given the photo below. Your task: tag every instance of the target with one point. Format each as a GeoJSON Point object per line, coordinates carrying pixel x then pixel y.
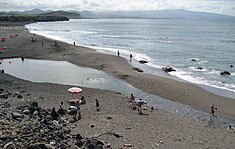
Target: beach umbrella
{"type": "Point", "coordinates": [74, 90]}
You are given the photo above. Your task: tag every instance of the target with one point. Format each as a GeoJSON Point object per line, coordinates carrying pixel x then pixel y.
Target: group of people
{"type": "Point", "coordinates": [74, 109]}
{"type": "Point", "coordinates": [118, 54]}
{"type": "Point", "coordinates": [137, 104]}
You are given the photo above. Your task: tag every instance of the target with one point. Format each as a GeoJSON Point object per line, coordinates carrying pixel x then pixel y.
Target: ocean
{"type": "Point", "coordinates": [161, 42]}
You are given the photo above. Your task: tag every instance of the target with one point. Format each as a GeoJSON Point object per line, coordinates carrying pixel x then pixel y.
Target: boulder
{"type": "Point", "coordinates": [231, 66]}
{"type": "Point", "coordinates": [9, 145]}
{"type": "Point", "coordinates": [168, 69]}
{"type": "Point", "coordinates": [143, 61]}
{"type": "Point", "coordinates": [193, 60]}
{"type": "Point", "coordinates": [4, 95]}
{"type": "Point", "coordinates": [27, 112]}
{"type": "Point", "coordinates": [2, 70]}
{"type": "Point", "coordinates": [225, 73]}
{"type": "Point", "coordinates": [137, 69]}
{"type": "Point", "coordinates": [16, 115]}
{"type": "Point", "coordinates": [200, 68]}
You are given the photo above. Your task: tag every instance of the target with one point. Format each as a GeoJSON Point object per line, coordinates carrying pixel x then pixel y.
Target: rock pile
{"type": "Point", "coordinates": [31, 127]}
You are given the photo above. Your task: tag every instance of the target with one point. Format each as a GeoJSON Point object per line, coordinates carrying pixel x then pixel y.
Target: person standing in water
{"type": "Point", "coordinates": [118, 53]}
{"type": "Point", "coordinates": [130, 57]}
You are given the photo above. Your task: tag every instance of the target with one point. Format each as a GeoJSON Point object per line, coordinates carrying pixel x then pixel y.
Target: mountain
{"type": "Point", "coordinates": [70, 15]}
{"type": "Point", "coordinates": [36, 11]}
{"type": "Point", "coordinates": [159, 14]}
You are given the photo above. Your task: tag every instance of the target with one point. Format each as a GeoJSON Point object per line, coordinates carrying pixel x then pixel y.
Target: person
{"type": "Point", "coordinates": [55, 43]}
{"type": "Point", "coordinates": [118, 53]}
{"type": "Point", "coordinates": [213, 110]}
{"type": "Point", "coordinates": [140, 102]}
{"type": "Point", "coordinates": [42, 44]}
{"type": "Point", "coordinates": [74, 110]}
{"type": "Point", "coordinates": [74, 43]}
{"type": "Point", "coordinates": [97, 105]}
{"type": "Point", "coordinates": [54, 114]}
{"type": "Point", "coordinates": [133, 105]}
{"type": "Point", "coordinates": [62, 110]}
{"type": "Point", "coordinates": [79, 112]}
{"type": "Point", "coordinates": [130, 57]}
{"type": "Point", "coordinates": [83, 101]}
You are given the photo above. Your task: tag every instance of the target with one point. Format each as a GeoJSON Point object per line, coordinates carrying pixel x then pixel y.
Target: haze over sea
{"type": "Point", "coordinates": [161, 42]}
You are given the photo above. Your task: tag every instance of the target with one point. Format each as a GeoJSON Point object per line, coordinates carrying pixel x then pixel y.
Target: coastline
{"type": "Point", "coordinates": [154, 129]}
{"type": "Point", "coordinates": [118, 67]}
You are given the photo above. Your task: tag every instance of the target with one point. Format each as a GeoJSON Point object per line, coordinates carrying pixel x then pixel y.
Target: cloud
{"type": "Point", "coordinates": [216, 6]}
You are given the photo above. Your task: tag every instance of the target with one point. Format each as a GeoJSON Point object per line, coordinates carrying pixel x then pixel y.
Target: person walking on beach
{"type": "Point", "coordinates": [213, 110]}
{"type": "Point", "coordinates": [130, 57]}
{"type": "Point", "coordinates": [97, 105]}
{"type": "Point", "coordinates": [133, 105]}
{"type": "Point", "coordinates": [42, 44]}
{"type": "Point", "coordinates": [118, 53]}
{"type": "Point", "coordinates": [74, 43]}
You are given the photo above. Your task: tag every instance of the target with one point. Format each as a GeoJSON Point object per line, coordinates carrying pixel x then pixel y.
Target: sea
{"type": "Point", "coordinates": [184, 45]}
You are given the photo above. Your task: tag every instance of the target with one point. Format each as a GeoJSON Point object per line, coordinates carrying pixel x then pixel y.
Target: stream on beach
{"type": "Point", "coordinates": [62, 72]}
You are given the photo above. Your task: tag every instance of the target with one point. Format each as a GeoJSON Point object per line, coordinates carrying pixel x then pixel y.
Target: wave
{"type": "Point", "coordinates": [187, 76]}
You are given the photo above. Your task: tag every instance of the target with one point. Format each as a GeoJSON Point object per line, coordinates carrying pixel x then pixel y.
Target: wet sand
{"type": "Point", "coordinates": [142, 131]}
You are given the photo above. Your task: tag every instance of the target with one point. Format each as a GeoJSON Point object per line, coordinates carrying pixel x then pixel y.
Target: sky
{"type": "Point", "coordinates": [215, 6]}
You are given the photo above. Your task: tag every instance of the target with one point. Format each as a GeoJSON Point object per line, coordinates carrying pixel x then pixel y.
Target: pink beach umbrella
{"type": "Point", "coordinates": [74, 90]}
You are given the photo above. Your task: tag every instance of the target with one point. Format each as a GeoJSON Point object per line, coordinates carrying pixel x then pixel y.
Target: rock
{"type": "Point", "coordinates": [200, 68]}
{"type": "Point", "coordinates": [143, 61]}
{"type": "Point", "coordinates": [1, 89]}
{"type": "Point", "coordinates": [4, 95]}
{"type": "Point", "coordinates": [168, 69]}
{"type": "Point", "coordinates": [78, 137]}
{"type": "Point", "coordinates": [109, 118]}
{"type": "Point", "coordinates": [193, 60]}
{"type": "Point", "coordinates": [108, 145]}
{"type": "Point", "coordinates": [16, 115]}
{"type": "Point", "coordinates": [231, 66]}
{"type": "Point", "coordinates": [48, 146]}
{"type": "Point", "coordinates": [35, 113]}
{"type": "Point", "coordinates": [127, 145]}
{"type": "Point", "coordinates": [19, 96]}
{"type": "Point", "coordinates": [27, 112]}
{"type": "Point", "coordinates": [9, 145]}
{"type": "Point", "coordinates": [92, 126]}
{"type": "Point", "coordinates": [67, 130]}
{"type": "Point", "coordinates": [137, 69]}
{"type": "Point", "coordinates": [37, 146]}
{"type": "Point", "coordinates": [34, 104]}
{"type": "Point", "coordinates": [79, 143]}
{"type": "Point", "coordinates": [2, 71]}
{"type": "Point", "coordinates": [225, 73]}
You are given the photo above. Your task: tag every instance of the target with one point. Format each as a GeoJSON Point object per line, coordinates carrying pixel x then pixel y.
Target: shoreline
{"type": "Point", "coordinates": [118, 67]}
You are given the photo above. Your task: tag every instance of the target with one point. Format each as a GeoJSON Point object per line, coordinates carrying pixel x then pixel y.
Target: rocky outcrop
{"type": "Point", "coordinates": [199, 67]}
{"type": "Point", "coordinates": [22, 128]}
{"type": "Point", "coordinates": [168, 69]}
{"type": "Point", "coordinates": [225, 73]}
{"type": "Point", "coordinates": [143, 61]}
{"type": "Point", "coordinates": [137, 69]}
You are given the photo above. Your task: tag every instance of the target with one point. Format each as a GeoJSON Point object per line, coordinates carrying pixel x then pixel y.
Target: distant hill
{"type": "Point", "coordinates": [159, 14]}
{"type": "Point", "coordinates": [70, 15]}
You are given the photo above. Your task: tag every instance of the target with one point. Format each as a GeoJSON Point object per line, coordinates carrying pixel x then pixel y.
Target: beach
{"type": "Point", "coordinates": [142, 131]}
